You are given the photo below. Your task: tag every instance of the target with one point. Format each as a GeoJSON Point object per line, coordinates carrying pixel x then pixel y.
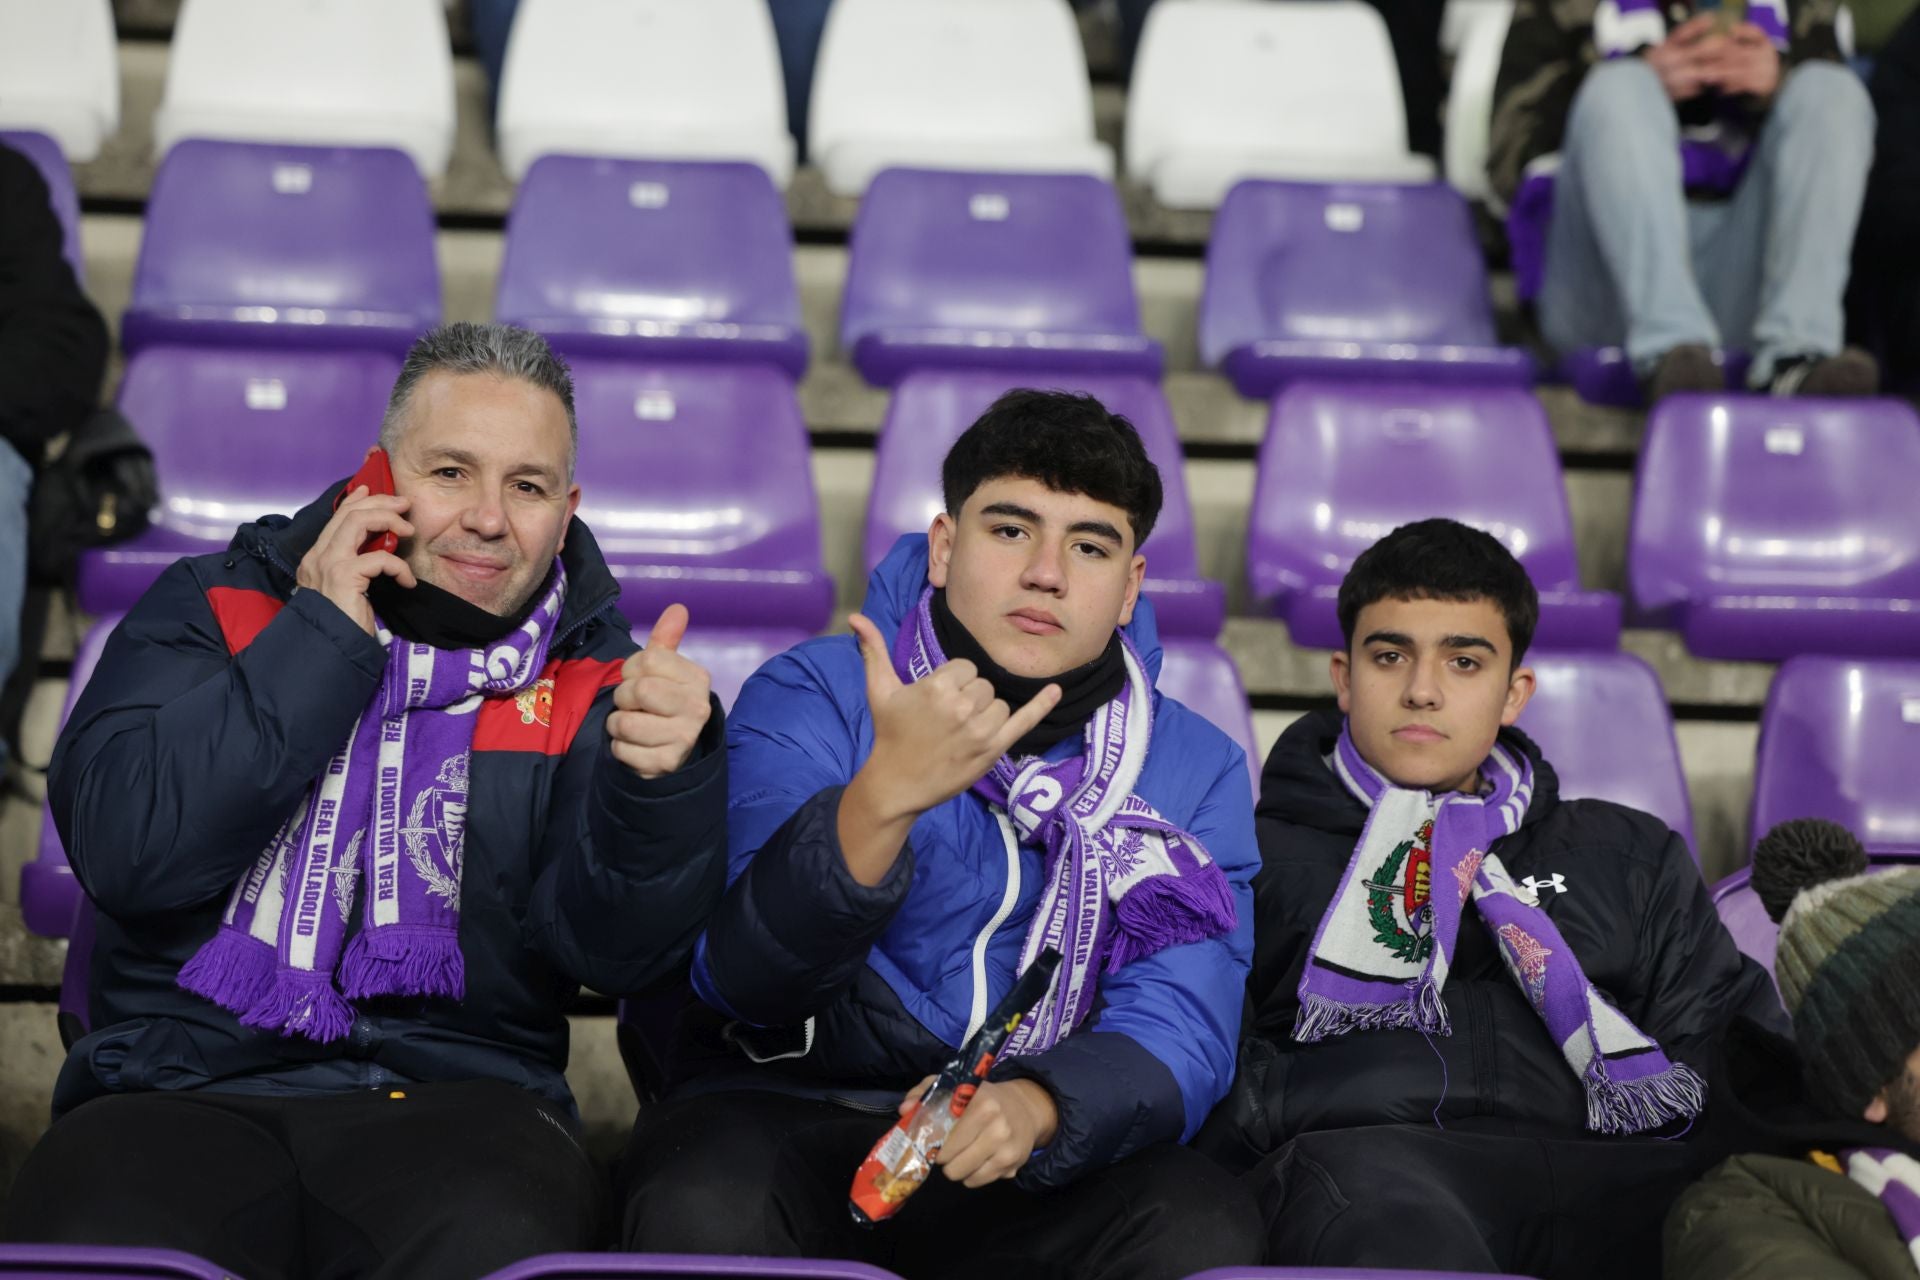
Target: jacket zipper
{"type": "Point", "coordinates": [978, 1015]}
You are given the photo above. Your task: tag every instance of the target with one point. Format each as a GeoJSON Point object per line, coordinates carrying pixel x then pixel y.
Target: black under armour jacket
{"type": "Point", "coordinates": [1629, 900]}
{"type": "Point", "coordinates": [215, 705]}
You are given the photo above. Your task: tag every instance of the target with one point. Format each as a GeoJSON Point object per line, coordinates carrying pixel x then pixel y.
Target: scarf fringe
{"type": "Point", "coordinates": [233, 970]}
{"type": "Point", "coordinates": [400, 961]}
{"type": "Point", "coordinates": [1168, 911]}
{"type": "Point", "coordinates": [304, 1003]}
{"type": "Point", "coordinates": [1322, 1017]}
{"type": "Point", "coordinates": [1634, 1106]}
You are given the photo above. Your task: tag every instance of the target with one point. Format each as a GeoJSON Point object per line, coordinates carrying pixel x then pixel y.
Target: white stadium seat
{"type": "Point", "coordinates": [1470, 99]}
{"type": "Point", "coordinates": [1460, 17]}
{"type": "Point", "coordinates": [354, 73]}
{"type": "Point", "coordinates": [1231, 89]}
{"type": "Point", "coordinates": [60, 72]}
{"type": "Point", "coordinates": [644, 79]}
{"type": "Point", "coordinates": [952, 84]}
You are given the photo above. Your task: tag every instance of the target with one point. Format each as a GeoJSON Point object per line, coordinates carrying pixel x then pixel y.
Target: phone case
{"type": "Point", "coordinates": [377, 474]}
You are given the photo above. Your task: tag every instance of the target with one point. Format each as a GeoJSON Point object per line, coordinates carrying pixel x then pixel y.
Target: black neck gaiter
{"type": "Point", "coordinates": [1083, 690]}
{"type": "Point", "coordinates": [426, 614]}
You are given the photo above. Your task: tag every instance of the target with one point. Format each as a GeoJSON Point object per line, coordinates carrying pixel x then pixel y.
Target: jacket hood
{"type": "Point", "coordinates": [894, 587]}
{"type": "Point", "coordinates": [1297, 787]}
{"type": "Point", "coordinates": [281, 541]}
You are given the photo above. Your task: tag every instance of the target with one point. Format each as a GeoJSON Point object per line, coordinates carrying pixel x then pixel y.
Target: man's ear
{"type": "Point", "coordinates": [1136, 575]}
{"type": "Point", "coordinates": [1341, 670]}
{"type": "Point", "coordinates": [940, 549]}
{"type": "Point", "coordinates": [573, 505]}
{"type": "Point", "coordinates": [1876, 1112]}
{"type": "Point", "coordinates": [1520, 686]}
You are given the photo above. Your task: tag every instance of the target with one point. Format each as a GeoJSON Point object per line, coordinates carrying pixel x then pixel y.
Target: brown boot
{"type": "Point", "coordinates": [1691, 366]}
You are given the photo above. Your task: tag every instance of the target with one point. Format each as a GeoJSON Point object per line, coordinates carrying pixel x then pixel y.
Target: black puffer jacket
{"type": "Point", "coordinates": [220, 698]}
{"type": "Point", "coordinates": [1634, 909]}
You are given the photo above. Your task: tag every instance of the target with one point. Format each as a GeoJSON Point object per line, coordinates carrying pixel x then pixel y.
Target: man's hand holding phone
{"type": "Point", "coordinates": [358, 545]}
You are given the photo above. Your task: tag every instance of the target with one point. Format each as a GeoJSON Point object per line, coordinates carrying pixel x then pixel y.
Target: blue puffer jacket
{"type": "Point", "coordinates": [831, 988]}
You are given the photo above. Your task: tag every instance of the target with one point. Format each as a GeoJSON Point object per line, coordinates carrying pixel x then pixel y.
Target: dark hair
{"type": "Point", "coordinates": [1442, 560]}
{"type": "Point", "coordinates": [1068, 442]}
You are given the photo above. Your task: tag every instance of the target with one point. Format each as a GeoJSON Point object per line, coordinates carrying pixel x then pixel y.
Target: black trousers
{"type": "Point", "coordinates": [443, 1180]}
{"type": "Point", "coordinates": [765, 1173]}
{"type": "Point", "coordinates": [1413, 1196]}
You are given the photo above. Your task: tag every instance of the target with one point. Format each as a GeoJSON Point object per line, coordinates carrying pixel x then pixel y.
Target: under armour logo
{"type": "Point", "coordinates": [1556, 882]}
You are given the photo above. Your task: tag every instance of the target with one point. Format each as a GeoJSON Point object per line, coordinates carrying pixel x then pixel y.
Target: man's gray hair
{"type": "Point", "coordinates": [498, 349]}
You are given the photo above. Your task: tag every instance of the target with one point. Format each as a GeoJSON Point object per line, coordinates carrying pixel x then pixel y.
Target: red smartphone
{"type": "Point", "coordinates": [377, 474]}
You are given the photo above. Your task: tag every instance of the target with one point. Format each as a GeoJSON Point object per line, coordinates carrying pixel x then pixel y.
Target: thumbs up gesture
{"type": "Point", "coordinates": [936, 737]}
{"type": "Point", "coordinates": [661, 704]}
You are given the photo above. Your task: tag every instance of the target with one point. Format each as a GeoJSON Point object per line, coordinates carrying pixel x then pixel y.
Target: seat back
{"type": "Point", "coordinates": [347, 73]}
{"type": "Point", "coordinates": [45, 155]}
{"type": "Point", "coordinates": [988, 263]}
{"type": "Point", "coordinates": [1838, 740]}
{"type": "Point", "coordinates": [1346, 262]}
{"type": "Point", "coordinates": [698, 487]}
{"type": "Point", "coordinates": [246, 243]}
{"type": "Point", "coordinates": [60, 72]}
{"type": "Point", "coordinates": [104, 1262]}
{"type": "Point", "coordinates": [1343, 465]}
{"type": "Point", "coordinates": [235, 434]}
{"type": "Point", "coordinates": [1760, 507]}
{"type": "Point", "coordinates": [644, 78]}
{"type": "Point", "coordinates": [1482, 39]}
{"type": "Point", "coordinates": [49, 894]}
{"type": "Point", "coordinates": [1602, 722]}
{"type": "Point", "coordinates": [931, 409]}
{"type": "Point", "coordinates": [1233, 89]}
{"type": "Point", "coordinates": [989, 84]}
{"type": "Point", "coordinates": [1202, 677]}
{"type": "Point", "coordinates": [660, 258]}
{"type": "Point", "coordinates": [673, 1266]}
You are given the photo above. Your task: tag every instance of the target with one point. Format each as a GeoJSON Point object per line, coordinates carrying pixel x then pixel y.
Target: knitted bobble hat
{"type": "Point", "coordinates": [1848, 962]}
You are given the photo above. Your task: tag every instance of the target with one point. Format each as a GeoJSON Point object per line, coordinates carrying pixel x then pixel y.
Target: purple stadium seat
{"type": "Point", "coordinates": [699, 489]}
{"type": "Point", "coordinates": [104, 1262]}
{"type": "Point", "coordinates": [1740, 909]}
{"type": "Point", "coordinates": [1349, 280]}
{"type": "Point", "coordinates": [49, 894]}
{"type": "Point", "coordinates": [930, 410]}
{"type": "Point", "coordinates": [675, 1266]}
{"type": "Point", "coordinates": [236, 433]}
{"type": "Point", "coordinates": [1766, 527]}
{"type": "Point", "coordinates": [1839, 739]}
{"type": "Point", "coordinates": [52, 164]}
{"type": "Point", "coordinates": [1200, 675]}
{"type": "Point", "coordinates": [254, 244]}
{"type": "Point", "coordinates": [1602, 721]}
{"type": "Point", "coordinates": [730, 656]}
{"type": "Point", "coordinates": [655, 260]}
{"type": "Point", "coordinates": [1343, 465]}
{"type": "Point", "coordinates": [1007, 270]}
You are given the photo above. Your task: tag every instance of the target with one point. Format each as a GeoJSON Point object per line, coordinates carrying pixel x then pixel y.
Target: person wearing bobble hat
{"type": "Point", "coordinates": [1831, 1188]}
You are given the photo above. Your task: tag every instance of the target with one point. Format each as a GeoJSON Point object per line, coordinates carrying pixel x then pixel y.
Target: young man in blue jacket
{"type": "Point", "coordinates": [357, 823]}
{"type": "Point", "coordinates": [987, 771]}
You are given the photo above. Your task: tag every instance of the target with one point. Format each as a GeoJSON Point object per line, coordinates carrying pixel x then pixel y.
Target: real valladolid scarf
{"type": "Point", "coordinates": [387, 820]}
{"type": "Point", "coordinates": [1894, 1176]}
{"type": "Point", "coordinates": [1381, 953]}
{"type": "Point", "coordinates": [1122, 882]}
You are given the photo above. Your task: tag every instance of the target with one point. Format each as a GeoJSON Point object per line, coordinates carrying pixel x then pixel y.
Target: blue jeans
{"type": "Point", "coordinates": [16, 479]}
{"type": "Point", "coordinates": [1630, 261]}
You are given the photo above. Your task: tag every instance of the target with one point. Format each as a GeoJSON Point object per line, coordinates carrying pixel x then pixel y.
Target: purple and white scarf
{"type": "Point", "coordinates": [1122, 882]}
{"type": "Point", "coordinates": [1381, 954]}
{"type": "Point", "coordinates": [388, 813]}
{"type": "Point", "coordinates": [1893, 1176]}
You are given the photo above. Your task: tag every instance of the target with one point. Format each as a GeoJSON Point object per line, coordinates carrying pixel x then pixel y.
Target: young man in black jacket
{"type": "Point", "coordinates": [357, 823]}
{"type": "Point", "coordinates": [1467, 993]}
